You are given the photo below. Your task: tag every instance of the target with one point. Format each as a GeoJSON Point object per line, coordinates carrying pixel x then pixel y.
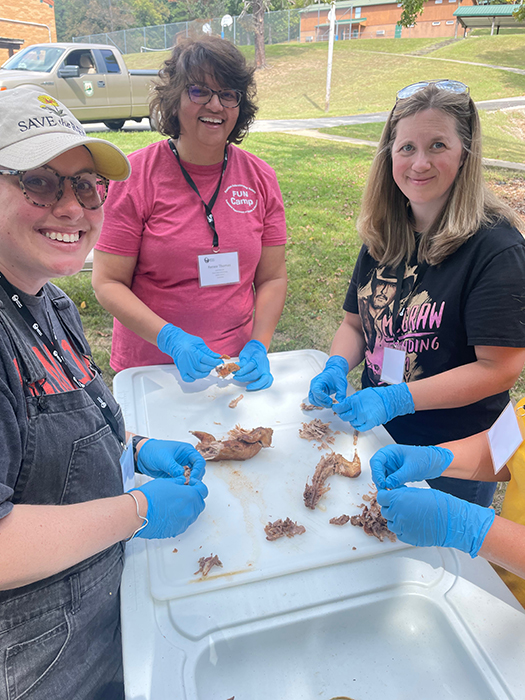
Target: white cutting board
{"type": "Point", "coordinates": [244, 496]}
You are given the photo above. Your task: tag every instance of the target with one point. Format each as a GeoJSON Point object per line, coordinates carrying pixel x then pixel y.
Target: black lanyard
{"type": "Point", "coordinates": [54, 348]}
{"type": "Point", "coordinates": [397, 314]}
{"type": "Point", "coordinates": [207, 207]}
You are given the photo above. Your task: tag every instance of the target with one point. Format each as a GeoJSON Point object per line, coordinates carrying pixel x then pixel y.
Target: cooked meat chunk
{"type": "Point", "coordinates": [280, 528]}
{"type": "Point", "coordinates": [328, 466]}
{"type": "Point", "coordinates": [371, 520]}
{"type": "Point", "coordinates": [310, 407]}
{"type": "Point", "coordinates": [229, 368]}
{"type": "Point", "coordinates": [341, 520]}
{"type": "Point", "coordinates": [233, 403]}
{"type": "Point", "coordinates": [206, 563]}
{"type": "Point", "coordinates": [317, 430]}
{"type": "Point", "coordinates": [241, 445]}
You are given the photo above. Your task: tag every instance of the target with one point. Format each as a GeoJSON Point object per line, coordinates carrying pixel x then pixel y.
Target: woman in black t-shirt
{"type": "Point", "coordinates": [436, 304]}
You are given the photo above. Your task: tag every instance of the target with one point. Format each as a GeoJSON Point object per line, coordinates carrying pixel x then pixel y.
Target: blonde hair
{"type": "Point", "coordinates": [385, 223]}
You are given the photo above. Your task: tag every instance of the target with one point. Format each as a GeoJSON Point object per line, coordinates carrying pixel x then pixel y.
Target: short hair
{"type": "Point", "coordinates": [385, 223]}
{"type": "Point", "coordinates": [190, 62]}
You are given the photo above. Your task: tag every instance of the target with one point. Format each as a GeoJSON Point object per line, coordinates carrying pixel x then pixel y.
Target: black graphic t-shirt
{"type": "Point", "coordinates": [476, 296]}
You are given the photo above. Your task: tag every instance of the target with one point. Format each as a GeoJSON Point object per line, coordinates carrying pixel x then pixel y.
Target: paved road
{"type": "Point", "coordinates": [320, 122]}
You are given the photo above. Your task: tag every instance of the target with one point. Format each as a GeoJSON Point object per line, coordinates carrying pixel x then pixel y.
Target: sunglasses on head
{"type": "Point", "coordinates": [44, 186]}
{"type": "Point", "coordinates": [449, 85]}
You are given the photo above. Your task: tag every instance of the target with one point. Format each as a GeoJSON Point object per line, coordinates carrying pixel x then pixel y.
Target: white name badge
{"type": "Point", "coordinates": [218, 268]}
{"type": "Point", "coordinates": [393, 368]}
{"type": "Point", "coordinates": [504, 438]}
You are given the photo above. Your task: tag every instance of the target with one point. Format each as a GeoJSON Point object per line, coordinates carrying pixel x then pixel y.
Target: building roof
{"type": "Point", "coordinates": [473, 16]}
{"type": "Point", "coordinates": [324, 7]}
{"type": "Point", "coordinates": [359, 20]}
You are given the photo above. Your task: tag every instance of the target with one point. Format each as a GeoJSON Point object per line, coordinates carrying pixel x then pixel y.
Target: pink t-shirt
{"type": "Point", "coordinates": [156, 216]}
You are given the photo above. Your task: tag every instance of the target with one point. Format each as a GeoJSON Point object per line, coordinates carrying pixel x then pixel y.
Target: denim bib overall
{"type": "Point", "coordinates": [60, 637]}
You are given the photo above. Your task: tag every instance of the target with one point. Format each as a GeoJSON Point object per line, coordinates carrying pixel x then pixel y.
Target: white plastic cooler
{"type": "Point", "coordinates": [332, 613]}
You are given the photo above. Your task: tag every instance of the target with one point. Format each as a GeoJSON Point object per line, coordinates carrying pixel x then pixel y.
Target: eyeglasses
{"type": "Point", "coordinates": [202, 94]}
{"type": "Point", "coordinates": [449, 85]}
{"type": "Point", "coordinates": [44, 186]}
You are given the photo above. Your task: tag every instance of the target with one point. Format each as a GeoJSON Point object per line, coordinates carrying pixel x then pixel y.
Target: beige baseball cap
{"type": "Point", "coordinates": [35, 128]}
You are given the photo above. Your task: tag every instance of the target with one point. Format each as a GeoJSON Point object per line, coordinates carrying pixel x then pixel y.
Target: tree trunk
{"type": "Point", "coordinates": [258, 21]}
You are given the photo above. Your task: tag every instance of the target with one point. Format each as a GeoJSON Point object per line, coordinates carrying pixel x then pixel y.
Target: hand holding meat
{"type": "Point", "coordinates": [172, 507]}
{"type": "Point", "coordinates": [192, 357]}
{"type": "Point", "coordinates": [254, 367]}
{"type": "Point", "coordinates": [395, 465]}
{"type": "Point", "coordinates": [169, 458]}
{"type": "Point", "coordinates": [332, 380]}
{"type": "Point", "coordinates": [375, 406]}
{"type": "Point", "coordinates": [428, 518]}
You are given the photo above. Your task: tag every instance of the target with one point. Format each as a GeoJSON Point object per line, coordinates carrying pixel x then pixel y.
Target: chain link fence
{"type": "Point", "coordinates": [280, 26]}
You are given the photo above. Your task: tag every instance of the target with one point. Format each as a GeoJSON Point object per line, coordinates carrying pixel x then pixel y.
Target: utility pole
{"type": "Point", "coordinates": [331, 17]}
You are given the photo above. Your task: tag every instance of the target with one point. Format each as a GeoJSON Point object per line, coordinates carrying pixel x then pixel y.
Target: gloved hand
{"type": "Point", "coordinates": [427, 518]}
{"type": "Point", "coordinates": [375, 406]}
{"type": "Point", "coordinates": [172, 506]}
{"type": "Point", "coordinates": [254, 366]}
{"type": "Point", "coordinates": [191, 355]}
{"type": "Point", "coordinates": [394, 465]}
{"type": "Point", "coordinates": [161, 458]}
{"type": "Point", "coordinates": [332, 380]}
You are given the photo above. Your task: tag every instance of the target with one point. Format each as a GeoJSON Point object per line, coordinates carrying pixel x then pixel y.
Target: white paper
{"type": "Point", "coordinates": [127, 465]}
{"type": "Point", "coordinates": [504, 438]}
{"type": "Point", "coordinates": [393, 368]}
{"type": "Point", "coordinates": [218, 268]}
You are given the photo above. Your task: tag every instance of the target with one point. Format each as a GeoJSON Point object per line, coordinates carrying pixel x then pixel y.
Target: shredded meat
{"type": "Point", "coordinates": [187, 474]}
{"type": "Point", "coordinates": [233, 403]}
{"type": "Point", "coordinates": [280, 528]}
{"type": "Point", "coordinates": [371, 520]}
{"type": "Point", "coordinates": [310, 407]}
{"type": "Point", "coordinates": [341, 520]}
{"type": "Point", "coordinates": [206, 563]}
{"type": "Point", "coordinates": [229, 368]}
{"type": "Point", "coordinates": [317, 430]}
{"type": "Point", "coordinates": [241, 445]}
{"type": "Point", "coordinates": [329, 464]}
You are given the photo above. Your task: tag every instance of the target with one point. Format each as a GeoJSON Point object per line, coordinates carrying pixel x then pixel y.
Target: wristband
{"type": "Point", "coordinates": [146, 521]}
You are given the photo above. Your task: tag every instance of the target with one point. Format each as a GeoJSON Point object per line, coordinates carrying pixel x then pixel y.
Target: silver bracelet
{"type": "Point", "coordinates": [146, 521]}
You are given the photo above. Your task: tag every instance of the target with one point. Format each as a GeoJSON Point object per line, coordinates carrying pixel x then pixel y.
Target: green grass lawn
{"type": "Point", "coordinates": [503, 134]}
{"type": "Point", "coordinates": [294, 85]}
{"type": "Point", "coordinates": [507, 50]}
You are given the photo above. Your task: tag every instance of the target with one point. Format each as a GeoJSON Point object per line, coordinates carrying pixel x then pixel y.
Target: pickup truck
{"type": "Point", "coordinates": [90, 79]}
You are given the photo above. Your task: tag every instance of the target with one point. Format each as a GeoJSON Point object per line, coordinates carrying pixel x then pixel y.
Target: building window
{"type": "Point", "coordinates": [438, 2]}
{"type": "Point", "coordinates": [451, 21]}
{"type": "Point", "coordinates": [436, 24]}
{"type": "Point", "coordinates": [400, 4]}
{"type": "Point", "coordinates": [452, 0]}
{"type": "Point", "coordinates": [380, 32]}
{"type": "Point", "coordinates": [357, 13]}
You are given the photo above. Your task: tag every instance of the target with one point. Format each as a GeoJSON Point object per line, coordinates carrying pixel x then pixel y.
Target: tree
{"type": "Point", "coordinates": [258, 8]}
{"type": "Point", "coordinates": [412, 9]}
{"type": "Point", "coordinates": [519, 15]}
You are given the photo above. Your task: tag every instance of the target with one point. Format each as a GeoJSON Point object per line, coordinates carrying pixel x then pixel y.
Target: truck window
{"type": "Point", "coordinates": [112, 65]}
{"type": "Point", "coordinates": [39, 58]}
{"type": "Point", "coordinates": [83, 58]}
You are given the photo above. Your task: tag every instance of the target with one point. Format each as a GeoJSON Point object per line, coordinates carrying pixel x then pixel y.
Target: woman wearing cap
{"type": "Point", "coordinates": [451, 337]}
{"type": "Point", "coordinates": [191, 258]}
{"type": "Point", "coordinates": [63, 513]}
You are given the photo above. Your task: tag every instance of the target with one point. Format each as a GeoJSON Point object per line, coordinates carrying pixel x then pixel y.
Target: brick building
{"type": "Point", "coordinates": [14, 36]}
{"type": "Point", "coordinates": [371, 19]}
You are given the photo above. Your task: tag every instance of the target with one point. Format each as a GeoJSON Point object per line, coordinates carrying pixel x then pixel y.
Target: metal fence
{"type": "Point", "coordinates": [279, 27]}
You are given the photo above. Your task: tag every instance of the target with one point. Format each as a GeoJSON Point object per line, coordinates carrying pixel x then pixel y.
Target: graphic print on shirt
{"type": "Point", "coordinates": [56, 380]}
{"type": "Point", "coordinates": [416, 328]}
{"type": "Point", "coordinates": [241, 198]}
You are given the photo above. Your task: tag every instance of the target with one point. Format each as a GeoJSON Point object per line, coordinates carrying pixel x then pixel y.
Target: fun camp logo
{"type": "Point", "coordinates": [241, 198]}
{"type": "Point", "coordinates": [51, 104]}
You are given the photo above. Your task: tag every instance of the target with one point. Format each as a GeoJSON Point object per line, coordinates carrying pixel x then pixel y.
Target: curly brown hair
{"type": "Point", "coordinates": [190, 62]}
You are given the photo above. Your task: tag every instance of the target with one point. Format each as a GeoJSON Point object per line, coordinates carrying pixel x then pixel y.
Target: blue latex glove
{"type": "Point", "coordinates": [375, 406]}
{"type": "Point", "coordinates": [394, 465]}
{"type": "Point", "coordinates": [427, 518]}
{"type": "Point", "coordinates": [332, 380]}
{"type": "Point", "coordinates": [254, 366]}
{"type": "Point", "coordinates": [191, 355]}
{"type": "Point", "coordinates": [172, 506]}
{"type": "Point", "coordinates": [160, 458]}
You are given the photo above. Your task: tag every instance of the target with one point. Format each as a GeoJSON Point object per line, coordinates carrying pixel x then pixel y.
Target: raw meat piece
{"type": "Point", "coordinates": [206, 563]}
{"type": "Point", "coordinates": [280, 528]}
{"type": "Point", "coordinates": [371, 519]}
{"type": "Point", "coordinates": [341, 520]}
{"type": "Point", "coordinates": [329, 464]}
{"type": "Point", "coordinates": [317, 430]}
{"type": "Point", "coordinates": [242, 444]}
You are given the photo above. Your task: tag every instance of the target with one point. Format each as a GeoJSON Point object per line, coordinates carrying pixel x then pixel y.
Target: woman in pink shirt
{"type": "Point", "coordinates": [191, 259]}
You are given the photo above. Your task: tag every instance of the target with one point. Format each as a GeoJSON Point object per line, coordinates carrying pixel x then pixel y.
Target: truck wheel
{"type": "Point", "coordinates": [115, 124]}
